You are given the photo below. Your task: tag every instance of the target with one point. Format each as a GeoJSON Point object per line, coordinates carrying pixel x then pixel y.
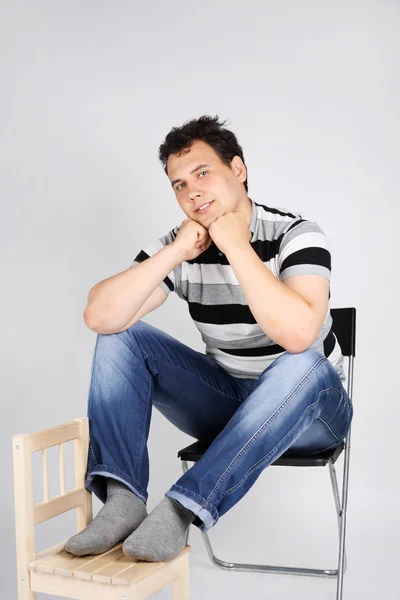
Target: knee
{"type": "Point", "coordinates": [110, 338]}
{"type": "Point", "coordinates": [137, 339]}
{"type": "Point", "coordinates": [310, 356]}
{"type": "Point", "coordinates": [300, 362]}
{"type": "Point", "coordinates": [109, 343]}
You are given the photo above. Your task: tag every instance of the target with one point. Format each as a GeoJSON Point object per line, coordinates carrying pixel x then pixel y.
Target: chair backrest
{"type": "Point", "coordinates": [344, 327]}
{"type": "Point", "coordinates": [28, 514]}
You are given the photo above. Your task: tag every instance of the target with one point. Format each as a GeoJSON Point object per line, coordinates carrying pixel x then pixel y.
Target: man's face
{"type": "Point", "coordinates": [216, 183]}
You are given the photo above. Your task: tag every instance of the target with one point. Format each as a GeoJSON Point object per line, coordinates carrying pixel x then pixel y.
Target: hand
{"type": "Point", "coordinates": [230, 230]}
{"type": "Point", "coordinates": [192, 239]}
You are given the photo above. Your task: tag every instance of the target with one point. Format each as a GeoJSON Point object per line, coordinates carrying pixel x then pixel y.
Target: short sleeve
{"type": "Point", "coordinates": [172, 280]}
{"type": "Point", "coordinates": [304, 249]}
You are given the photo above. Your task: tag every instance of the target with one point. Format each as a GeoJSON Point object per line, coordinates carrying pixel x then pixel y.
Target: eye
{"type": "Point", "coordinates": [179, 185]}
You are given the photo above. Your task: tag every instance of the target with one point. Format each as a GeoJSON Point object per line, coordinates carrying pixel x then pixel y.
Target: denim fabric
{"type": "Point", "coordinates": [297, 405]}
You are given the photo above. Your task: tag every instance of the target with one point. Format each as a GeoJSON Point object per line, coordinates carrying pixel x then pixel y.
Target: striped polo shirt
{"type": "Point", "coordinates": [288, 245]}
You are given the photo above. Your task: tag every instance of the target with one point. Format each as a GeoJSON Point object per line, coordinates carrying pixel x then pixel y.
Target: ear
{"type": "Point", "coordinates": [239, 168]}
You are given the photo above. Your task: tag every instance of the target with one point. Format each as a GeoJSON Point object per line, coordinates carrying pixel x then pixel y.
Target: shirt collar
{"type": "Point", "coordinates": [252, 225]}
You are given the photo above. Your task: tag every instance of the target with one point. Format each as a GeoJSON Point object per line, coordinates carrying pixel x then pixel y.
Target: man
{"type": "Point", "coordinates": [257, 283]}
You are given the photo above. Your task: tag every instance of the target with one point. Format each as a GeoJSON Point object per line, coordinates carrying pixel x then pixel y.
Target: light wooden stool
{"type": "Point", "coordinates": [108, 576]}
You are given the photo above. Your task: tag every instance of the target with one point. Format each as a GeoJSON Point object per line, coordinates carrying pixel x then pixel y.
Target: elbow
{"type": "Point", "coordinates": [91, 321]}
{"type": "Point", "coordinates": [299, 346]}
{"type": "Point", "coordinates": [291, 341]}
{"type": "Point", "coordinates": [297, 349]}
{"type": "Point", "coordinates": [98, 324]}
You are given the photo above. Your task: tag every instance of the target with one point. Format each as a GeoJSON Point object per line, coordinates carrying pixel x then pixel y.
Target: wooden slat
{"type": "Point", "coordinates": [45, 474]}
{"type": "Point", "coordinates": [61, 464]}
{"type": "Point", "coordinates": [71, 587]}
{"type": "Point", "coordinates": [137, 572]}
{"type": "Point", "coordinates": [50, 564]}
{"type": "Point", "coordinates": [102, 561]}
{"type": "Point", "coordinates": [56, 556]}
{"type": "Point", "coordinates": [47, 553]}
{"type": "Point", "coordinates": [57, 505]}
{"type": "Point", "coordinates": [55, 435]}
{"type": "Point", "coordinates": [67, 568]}
{"type": "Point", "coordinates": [105, 574]}
{"type": "Point", "coordinates": [181, 585]}
{"type": "Point", "coordinates": [84, 513]}
{"type": "Point", "coordinates": [142, 569]}
{"type": "Point", "coordinates": [23, 503]}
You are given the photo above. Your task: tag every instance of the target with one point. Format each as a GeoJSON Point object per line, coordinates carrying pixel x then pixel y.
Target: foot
{"type": "Point", "coordinates": [121, 514]}
{"type": "Point", "coordinates": [162, 535]}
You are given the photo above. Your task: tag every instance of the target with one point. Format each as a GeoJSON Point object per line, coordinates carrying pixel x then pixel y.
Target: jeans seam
{"type": "Point", "coordinates": [144, 441]}
{"type": "Point", "coordinates": [263, 426]}
{"type": "Point", "coordinates": [328, 427]}
{"type": "Point", "coordinates": [252, 383]}
{"type": "Point", "coordinates": [199, 378]}
{"type": "Point", "coordinates": [342, 398]}
{"type": "Point", "coordinates": [203, 502]}
{"type": "Point", "coordinates": [262, 460]}
{"type": "Point", "coordinates": [145, 355]}
{"type": "Point", "coordinates": [324, 449]}
{"type": "Point", "coordinates": [92, 453]}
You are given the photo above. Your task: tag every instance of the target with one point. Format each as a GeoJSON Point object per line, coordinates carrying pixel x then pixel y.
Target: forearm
{"type": "Point", "coordinates": [114, 301]}
{"type": "Point", "coordinates": [282, 314]}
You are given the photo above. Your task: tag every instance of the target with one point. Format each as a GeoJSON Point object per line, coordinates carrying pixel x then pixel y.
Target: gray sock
{"type": "Point", "coordinates": [162, 535]}
{"type": "Point", "coordinates": [121, 514]}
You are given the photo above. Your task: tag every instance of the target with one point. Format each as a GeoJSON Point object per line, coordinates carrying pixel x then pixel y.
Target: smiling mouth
{"type": "Point", "coordinates": [204, 209]}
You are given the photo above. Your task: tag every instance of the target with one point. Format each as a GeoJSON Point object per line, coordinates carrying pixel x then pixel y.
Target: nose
{"type": "Point", "coordinates": [195, 194]}
{"type": "Point", "coordinates": [194, 190]}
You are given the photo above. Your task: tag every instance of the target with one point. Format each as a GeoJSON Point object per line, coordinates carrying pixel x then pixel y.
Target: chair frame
{"type": "Point", "coordinates": [344, 326]}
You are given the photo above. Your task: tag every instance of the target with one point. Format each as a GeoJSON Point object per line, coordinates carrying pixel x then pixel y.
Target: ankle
{"type": "Point", "coordinates": [187, 514]}
{"type": "Point", "coordinates": [118, 488]}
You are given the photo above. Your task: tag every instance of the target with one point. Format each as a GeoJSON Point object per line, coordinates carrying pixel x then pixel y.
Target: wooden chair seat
{"type": "Point", "coordinates": [55, 570]}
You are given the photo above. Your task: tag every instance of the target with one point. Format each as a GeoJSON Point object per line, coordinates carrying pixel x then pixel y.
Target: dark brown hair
{"type": "Point", "coordinates": [207, 129]}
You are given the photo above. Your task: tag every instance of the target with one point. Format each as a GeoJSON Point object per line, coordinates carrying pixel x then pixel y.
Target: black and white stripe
{"type": "Point", "coordinates": [288, 245]}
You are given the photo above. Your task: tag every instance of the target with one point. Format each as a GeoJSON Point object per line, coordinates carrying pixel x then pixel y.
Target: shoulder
{"type": "Point", "coordinates": [272, 222]}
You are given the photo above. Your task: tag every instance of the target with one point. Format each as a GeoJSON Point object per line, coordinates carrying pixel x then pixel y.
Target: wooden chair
{"type": "Point", "coordinates": [108, 576]}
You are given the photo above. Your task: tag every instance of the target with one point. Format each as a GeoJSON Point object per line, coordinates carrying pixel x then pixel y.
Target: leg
{"type": "Point", "coordinates": [180, 587]}
{"type": "Point", "coordinates": [131, 371]}
{"type": "Point", "coordinates": [134, 370]}
{"type": "Point", "coordinates": [298, 399]}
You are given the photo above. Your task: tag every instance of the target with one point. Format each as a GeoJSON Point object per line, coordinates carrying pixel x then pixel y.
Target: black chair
{"type": "Point", "coordinates": [344, 327]}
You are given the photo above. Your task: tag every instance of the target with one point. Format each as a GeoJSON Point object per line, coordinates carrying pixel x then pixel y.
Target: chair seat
{"type": "Point", "coordinates": [112, 567]}
{"type": "Point", "coordinates": [196, 450]}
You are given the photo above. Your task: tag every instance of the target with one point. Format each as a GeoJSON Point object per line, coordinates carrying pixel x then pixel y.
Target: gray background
{"type": "Point", "coordinates": [89, 90]}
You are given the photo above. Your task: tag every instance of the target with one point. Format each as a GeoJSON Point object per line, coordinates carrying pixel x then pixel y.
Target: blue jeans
{"type": "Point", "coordinates": [297, 403]}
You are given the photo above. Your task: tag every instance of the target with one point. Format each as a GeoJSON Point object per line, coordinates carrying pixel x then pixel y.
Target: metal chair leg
{"type": "Point", "coordinates": [343, 514]}
{"type": "Point", "coordinates": [335, 488]}
{"type": "Point", "coordinates": [327, 573]}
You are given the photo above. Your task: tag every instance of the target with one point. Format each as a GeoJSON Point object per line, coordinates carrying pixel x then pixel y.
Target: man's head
{"type": "Point", "coordinates": [185, 153]}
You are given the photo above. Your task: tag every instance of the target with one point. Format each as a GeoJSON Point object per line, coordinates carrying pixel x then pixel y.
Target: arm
{"type": "Point", "coordinates": [281, 312]}
{"type": "Point", "coordinates": [155, 300]}
{"type": "Point", "coordinates": [114, 302]}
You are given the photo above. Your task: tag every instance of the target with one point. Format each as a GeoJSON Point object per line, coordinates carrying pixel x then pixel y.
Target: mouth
{"type": "Point", "coordinates": [206, 208]}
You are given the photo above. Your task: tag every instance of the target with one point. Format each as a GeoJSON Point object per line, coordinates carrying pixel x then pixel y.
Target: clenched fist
{"type": "Point", "coordinates": [192, 239]}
